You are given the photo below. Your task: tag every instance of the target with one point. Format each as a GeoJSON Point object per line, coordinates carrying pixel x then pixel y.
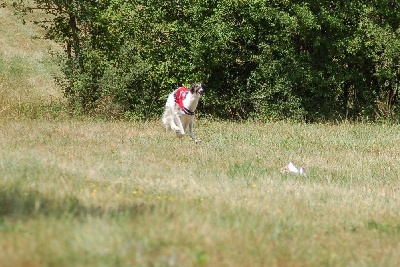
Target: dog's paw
{"type": "Point", "coordinates": [177, 130]}
{"type": "Point", "coordinates": [179, 134]}
{"type": "Point", "coordinates": [197, 141]}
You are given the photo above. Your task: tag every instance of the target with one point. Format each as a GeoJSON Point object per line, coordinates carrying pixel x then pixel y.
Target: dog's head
{"type": "Point", "coordinates": [197, 88]}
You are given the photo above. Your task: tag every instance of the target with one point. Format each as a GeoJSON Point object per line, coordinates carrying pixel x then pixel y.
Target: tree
{"type": "Point", "coordinates": [267, 60]}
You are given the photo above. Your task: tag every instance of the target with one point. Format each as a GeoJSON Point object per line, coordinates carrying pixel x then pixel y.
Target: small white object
{"type": "Point", "coordinates": [291, 168]}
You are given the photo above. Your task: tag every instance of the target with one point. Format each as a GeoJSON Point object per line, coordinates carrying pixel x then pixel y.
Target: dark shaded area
{"type": "Point", "coordinates": [17, 203]}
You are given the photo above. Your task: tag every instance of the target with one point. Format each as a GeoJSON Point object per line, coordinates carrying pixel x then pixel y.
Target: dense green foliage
{"type": "Point", "coordinates": [269, 60]}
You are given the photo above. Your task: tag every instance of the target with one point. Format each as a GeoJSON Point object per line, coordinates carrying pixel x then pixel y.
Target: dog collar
{"type": "Point", "coordinates": [188, 111]}
{"type": "Point", "coordinates": [179, 96]}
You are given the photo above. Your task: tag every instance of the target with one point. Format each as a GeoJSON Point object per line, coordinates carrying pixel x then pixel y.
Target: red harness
{"type": "Point", "coordinates": [180, 95]}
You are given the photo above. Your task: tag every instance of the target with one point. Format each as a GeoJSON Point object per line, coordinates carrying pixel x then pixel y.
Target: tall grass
{"type": "Point", "coordinates": [94, 193]}
{"type": "Point", "coordinates": [26, 70]}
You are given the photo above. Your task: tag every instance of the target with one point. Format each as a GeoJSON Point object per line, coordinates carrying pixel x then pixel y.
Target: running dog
{"type": "Point", "coordinates": [180, 109]}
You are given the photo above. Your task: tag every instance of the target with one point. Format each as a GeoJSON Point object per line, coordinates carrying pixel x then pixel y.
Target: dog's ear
{"type": "Point", "coordinates": [192, 88]}
{"type": "Point", "coordinates": [196, 85]}
{"type": "Point", "coordinates": [197, 88]}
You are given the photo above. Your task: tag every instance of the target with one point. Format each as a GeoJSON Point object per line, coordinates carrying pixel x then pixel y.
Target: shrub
{"type": "Point", "coordinates": [313, 60]}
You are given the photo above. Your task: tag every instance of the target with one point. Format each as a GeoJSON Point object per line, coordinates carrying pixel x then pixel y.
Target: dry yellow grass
{"type": "Point", "coordinates": [25, 70]}
{"type": "Point", "coordinates": [129, 193]}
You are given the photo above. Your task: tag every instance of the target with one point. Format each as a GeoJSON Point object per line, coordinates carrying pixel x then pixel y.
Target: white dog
{"type": "Point", "coordinates": [180, 109]}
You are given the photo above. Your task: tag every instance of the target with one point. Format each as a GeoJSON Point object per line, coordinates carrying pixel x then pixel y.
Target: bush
{"type": "Point", "coordinates": [313, 60]}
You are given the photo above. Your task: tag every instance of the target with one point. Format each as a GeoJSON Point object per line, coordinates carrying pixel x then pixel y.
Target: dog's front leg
{"type": "Point", "coordinates": [173, 119]}
{"type": "Point", "coordinates": [179, 127]}
{"type": "Point", "coordinates": [191, 127]}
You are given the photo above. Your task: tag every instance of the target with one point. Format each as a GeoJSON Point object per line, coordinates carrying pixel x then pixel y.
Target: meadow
{"type": "Point", "coordinates": [78, 191]}
{"type": "Point", "coordinates": [87, 193]}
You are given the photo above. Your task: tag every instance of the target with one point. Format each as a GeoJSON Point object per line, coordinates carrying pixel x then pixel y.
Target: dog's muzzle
{"type": "Point", "coordinates": [200, 91]}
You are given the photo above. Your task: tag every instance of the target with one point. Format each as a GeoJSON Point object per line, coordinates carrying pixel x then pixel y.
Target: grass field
{"type": "Point", "coordinates": [85, 192]}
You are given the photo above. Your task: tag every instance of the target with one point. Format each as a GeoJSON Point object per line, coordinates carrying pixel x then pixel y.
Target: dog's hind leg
{"type": "Point", "coordinates": [169, 119]}
{"type": "Point", "coordinates": [166, 118]}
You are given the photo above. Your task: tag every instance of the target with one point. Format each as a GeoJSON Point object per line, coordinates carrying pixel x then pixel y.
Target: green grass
{"type": "Point", "coordinates": [116, 193]}
{"type": "Point", "coordinates": [84, 192]}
